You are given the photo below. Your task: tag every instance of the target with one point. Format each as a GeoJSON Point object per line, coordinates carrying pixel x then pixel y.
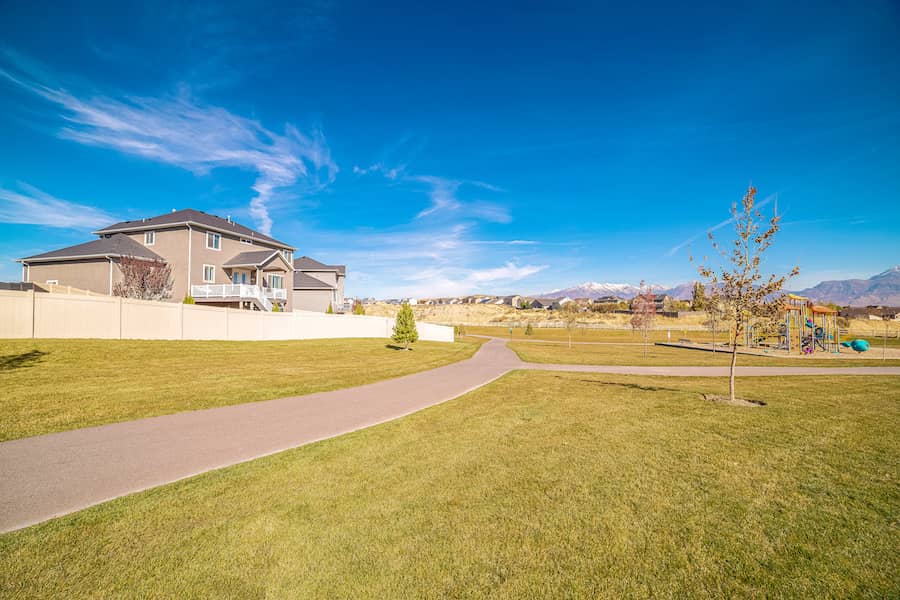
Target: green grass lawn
{"type": "Point", "coordinates": [54, 385]}
{"type": "Point", "coordinates": [626, 335]}
{"type": "Point", "coordinates": [539, 484]}
{"type": "Point", "coordinates": [591, 335]}
{"type": "Point", "coordinates": [627, 354]}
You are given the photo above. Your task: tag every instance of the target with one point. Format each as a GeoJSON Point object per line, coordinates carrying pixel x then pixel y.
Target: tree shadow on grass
{"type": "Point", "coordinates": [11, 362]}
{"type": "Point", "coordinates": [632, 386]}
{"type": "Point", "coordinates": [395, 347]}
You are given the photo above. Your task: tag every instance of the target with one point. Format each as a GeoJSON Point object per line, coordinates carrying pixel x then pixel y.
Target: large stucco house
{"type": "Point", "coordinates": [214, 260]}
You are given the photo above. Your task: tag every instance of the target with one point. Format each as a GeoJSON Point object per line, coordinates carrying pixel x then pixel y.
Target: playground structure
{"type": "Point", "coordinates": [805, 328]}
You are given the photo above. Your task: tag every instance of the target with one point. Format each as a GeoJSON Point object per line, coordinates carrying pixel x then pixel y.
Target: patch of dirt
{"type": "Point", "coordinates": [737, 401]}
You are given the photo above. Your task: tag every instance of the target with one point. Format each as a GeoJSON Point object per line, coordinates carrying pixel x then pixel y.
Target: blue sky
{"type": "Point", "coordinates": [460, 148]}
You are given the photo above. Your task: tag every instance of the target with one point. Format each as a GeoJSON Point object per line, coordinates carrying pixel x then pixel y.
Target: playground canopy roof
{"type": "Point", "coordinates": [822, 310]}
{"type": "Point", "coordinates": [795, 302]}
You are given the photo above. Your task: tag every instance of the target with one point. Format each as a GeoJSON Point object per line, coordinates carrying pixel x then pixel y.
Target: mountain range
{"type": "Point", "coordinates": [881, 289]}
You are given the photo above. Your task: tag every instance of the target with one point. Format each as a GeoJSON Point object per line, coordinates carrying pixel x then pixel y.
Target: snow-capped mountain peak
{"type": "Point", "coordinates": [594, 289]}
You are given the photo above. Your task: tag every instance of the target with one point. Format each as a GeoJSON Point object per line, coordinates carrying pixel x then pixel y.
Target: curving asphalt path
{"type": "Point", "coordinates": [51, 475]}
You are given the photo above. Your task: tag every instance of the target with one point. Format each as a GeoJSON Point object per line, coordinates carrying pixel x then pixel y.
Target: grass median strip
{"type": "Point", "coordinates": [55, 385]}
{"type": "Point", "coordinates": [537, 484]}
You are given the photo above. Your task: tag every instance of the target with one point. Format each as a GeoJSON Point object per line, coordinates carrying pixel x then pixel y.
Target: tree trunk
{"type": "Point", "coordinates": [731, 371]}
{"type": "Point", "coordinates": [406, 347]}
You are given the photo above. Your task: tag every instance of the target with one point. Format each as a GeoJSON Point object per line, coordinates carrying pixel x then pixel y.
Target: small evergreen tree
{"type": "Point", "coordinates": [188, 299]}
{"type": "Point", "coordinates": [358, 308]}
{"type": "Point", "coordinates": [276, 308]}
{"type": "Point", "coordinates": [329, 310]}
{"type": "Point", "coordinates": [529, 330]}
{"type": "Point", "coordinates": [405, 327]}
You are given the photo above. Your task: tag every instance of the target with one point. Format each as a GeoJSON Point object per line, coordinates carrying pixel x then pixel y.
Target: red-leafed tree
{"type": "Point", "coordinates": [144, 279]}
{"type": "Point", "coordinates": [643, 309]}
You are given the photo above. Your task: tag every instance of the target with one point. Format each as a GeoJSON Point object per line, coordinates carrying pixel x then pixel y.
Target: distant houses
{"type": "Point", "coordinates": [514, 300]}
{"type": "Point", "coordinates": [873, 313]}
{"type": "Point", "coordinates": [550, 303]}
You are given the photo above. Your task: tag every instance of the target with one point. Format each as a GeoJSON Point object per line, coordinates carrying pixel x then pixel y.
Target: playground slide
{"type": "Point", "coordinates": [858, 345]}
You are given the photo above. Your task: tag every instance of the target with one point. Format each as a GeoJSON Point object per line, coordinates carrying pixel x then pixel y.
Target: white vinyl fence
{"type": "Point", "coordinates": [41, 315]}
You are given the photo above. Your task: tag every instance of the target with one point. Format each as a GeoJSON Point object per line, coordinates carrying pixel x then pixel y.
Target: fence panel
{"type": "Point", "coordinates": [64, 316]}
{"type": "Point", "coordinates": [203, 323]}
{"type": "Point", "coordinates": [142, 320]}
{"type": "Point", "coordinates": [17, 318]}
{"type": "Point", "coordinates": [48, 315]}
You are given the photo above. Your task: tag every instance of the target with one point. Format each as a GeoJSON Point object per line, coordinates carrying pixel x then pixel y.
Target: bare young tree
{"type": "Point", "coordinates": [738, 286]}
{"type": "Point", "coordinates": [643, 309]}
{"type": "Point", "coordinates": [571, 326]}
{"type": "Point", "coordinates": [713, 321]}
{"type": "Point", "coordinates": [144, 279]}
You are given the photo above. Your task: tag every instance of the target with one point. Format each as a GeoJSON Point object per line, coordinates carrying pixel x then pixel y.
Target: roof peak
{"type": "Point", "coordinates": [192, 215]}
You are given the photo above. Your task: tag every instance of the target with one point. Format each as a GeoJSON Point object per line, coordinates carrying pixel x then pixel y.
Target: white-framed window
{"type": "Point", "coordinates": [247, 241]}
{"type": "Point", "coordinates": [213, 241]}
{"type": "Point", "coordinates": [288, 256]}
{"type": "Point", "coordinates": [149, 238]}
{"type": "Point", "coordinates": [209, 273]}
{"type": "Point", "coordinates": [276, 281]}
{"type": "Point", "coordinates": [52, 282]}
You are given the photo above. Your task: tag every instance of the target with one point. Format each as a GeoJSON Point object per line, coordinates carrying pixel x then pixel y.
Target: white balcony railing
{"type": "Point", "coordinates": [276, 293]}
{"type": "Point", "coordinates": [236, 291]}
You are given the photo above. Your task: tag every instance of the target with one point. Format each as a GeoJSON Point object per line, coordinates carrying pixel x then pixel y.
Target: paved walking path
{"type": "Point", "coordinates": [50, 475]}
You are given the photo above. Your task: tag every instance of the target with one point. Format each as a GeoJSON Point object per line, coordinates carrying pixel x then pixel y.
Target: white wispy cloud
{"type": "Point", "coordinates": [30, 206]}
{"type": "Point", "coordinates": [421, 259]}
{"type": "Point", "coordinates": [508, 272]}
{"type": "Point", "coordinates": [453, 281]}
{"type": "Point", "coordinates": [182, 131]}
{"type": "Point", "coordinates": [674, 249]}
{"type": "Point", "coordinates": [506, 242]}
{"type": "Point", "coordinates": [443, 193]}
{"type": "Point", "coordinates": [391, 173]}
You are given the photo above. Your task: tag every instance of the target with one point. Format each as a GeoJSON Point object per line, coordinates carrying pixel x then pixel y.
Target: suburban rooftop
{"type": "Point", "coordinates": [116, 245]}
{"type": "Point", "coordinates": [189, 216]}
{"type": "Point", "coordinates": [305, 263]}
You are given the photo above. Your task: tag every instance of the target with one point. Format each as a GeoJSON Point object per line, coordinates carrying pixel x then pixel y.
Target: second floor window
{"type": "Point", "coordinates": [209, 274]}
{"type": "Point", "coordinates": [213, 240]}
{"type": "Point", "coordinates": [288, 256]}
{"type": "Point", "coordinates": [149, 238]}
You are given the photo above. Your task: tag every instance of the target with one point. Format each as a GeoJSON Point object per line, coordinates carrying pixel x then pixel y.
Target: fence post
{"type": "Point", "coordinates": [120, 317]}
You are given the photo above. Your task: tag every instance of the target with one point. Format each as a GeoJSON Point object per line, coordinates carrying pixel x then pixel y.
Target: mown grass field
{"type": "Point", "coordinates": [54, 385]}
{"type": "Point", "coordinates": [539, 484]}
{"type": "Point", "coordinates": [585, 334]}
{"type": "Point", "coordinates": [630, 354]}
{"type": "Point", "coordinates": [673, 334]}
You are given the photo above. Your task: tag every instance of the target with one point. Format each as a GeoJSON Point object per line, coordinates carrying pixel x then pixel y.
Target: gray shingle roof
{"type": "Point", "coordinates": [305, 263]}
{"type": "Point", "coordinates": [189, 215]}
{"type": "Point", "coordinates": [302, 281]}
{"type": "Point", "coordinates": [115, 245]}
{"type": "Point", "coordinates": [254, 258]}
